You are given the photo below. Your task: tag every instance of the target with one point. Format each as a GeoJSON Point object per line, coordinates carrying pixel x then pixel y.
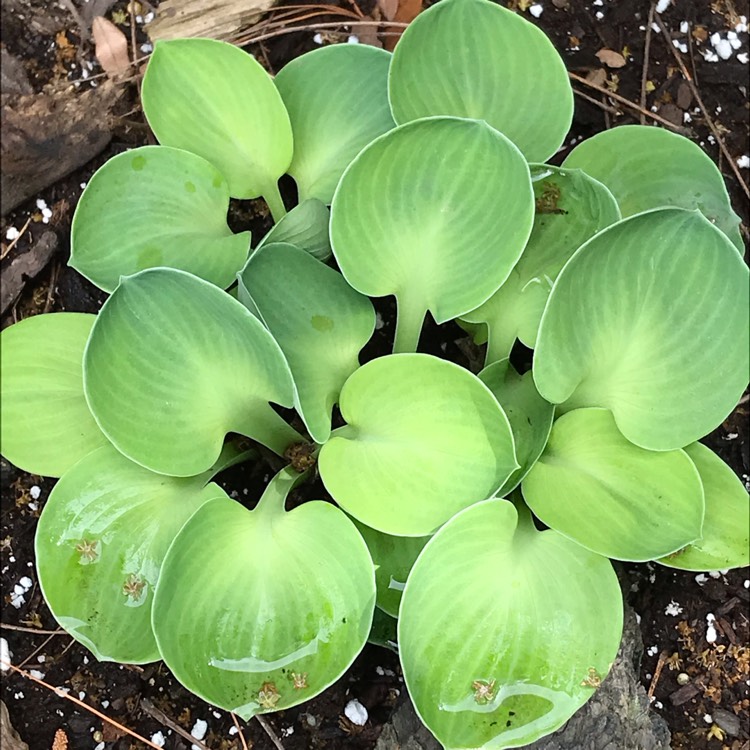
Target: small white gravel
{"type": "Point", "coordinates": [199, 729]}
{"type": "Point", "coordinates": [158, 739]}
{"type": "Point", "coordinates": [710, 629]}
{"type": "Point", "coordinates": [744, 162]}
{"type": "Point", "coordinates": [536, 10]}
{"type": "Point", "coordinates": [662, 5]}
{"type": "Point", "coordinates": [708, 718]}
{"type": "Point", "coordinates": [673, 609]}
{"type": "Point", "coordinates": [12, 234]}
{"type": "Point", "coordinates": [4, 655]}
{"type": "Point", "coordinates": [356, 713]}
{"type": "Point", "coordinates": [352, 39]}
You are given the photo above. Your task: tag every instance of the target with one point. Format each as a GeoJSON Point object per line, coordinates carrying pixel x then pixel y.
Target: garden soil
{"type": "Point", "coordinates": [701, 687]}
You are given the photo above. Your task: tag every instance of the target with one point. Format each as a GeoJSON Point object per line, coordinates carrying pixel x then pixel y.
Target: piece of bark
{"type": "Point", "coordinates": [47, 136]}
{"type": "Point", "coordinates": [215, 19]}
{"type": "Point", "coordinates": [13, 78]}
{"type": "Point", "coordinates": [25, 266]}
{"type": "Point", "coordinates": [9, 739]}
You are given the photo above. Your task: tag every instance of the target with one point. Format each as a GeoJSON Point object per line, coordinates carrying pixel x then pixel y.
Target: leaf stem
{"type": "Point", "coordinates": [234, 452]}
{"type": "Point", "coordinates": [272, 197]}
{"type": "Point", "coordinates": [263, 424]}
{"type": "Point", "coordinates": [409, 320]}
{"type": "Point", "coordinates": [274, 497]}
{"type": "Point", "coordinates": [500, 342]}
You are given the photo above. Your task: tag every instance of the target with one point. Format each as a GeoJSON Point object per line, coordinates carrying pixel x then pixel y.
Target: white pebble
{"type": "Point", "coordinates": [536, 10]}
{"type": "Point", "coordinates": [356, 713]}
{"type": "Point", "coordinates": [147, 48]}
{"type": "Point", "coordinates": [26, 582]}
{"type": "Point", "coordinates": [701, 578]}
{"type": "Point", "coordinates": [652, 650]}
{"type": "Point", "coordinates": [710, 629]}
{"type": "Point", "coordinates": [352, 39]}
{"type": "Point", "coordinates": [747, 584]}
{"type": "Point", "coordinates": [158, 739]}
{"type": "Point", "coordinates": [199, 729]}
{"type": "Point", "coordinates": [12, 234]}
{"type": "Point", "coordinates": [723, 47]}
{"type": "Point", "coordinates": [4, 655]}
{"type": "Point", "coordinates": [105, 704]}
{"type": "Point", "coordinates": [100, 746]}
{"type": "Point", "coordinates": [743, 57]}
{"type": "Point", "coordinates": [318, 39]}
{"type": "Point", "coordinates": [232, 731]}
{"type": "Point", "coordinates": [662, 5]}
{"type": "Point", "coordinates": [673, 609]}
{"type": "Point", "coordinates": [684, 27]}
{"type": "Point", "coordinates": [599, 15]}
{"type": "Point", "coordinates": [36, 673]}
{"type": "Point", "coordinates": [708, 718]}
{"type": "Point", "coordinates": [680, 46]}
{"type": "Point", "coordinates": [744, 162]}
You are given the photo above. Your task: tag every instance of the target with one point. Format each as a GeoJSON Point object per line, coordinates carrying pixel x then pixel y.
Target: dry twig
{"type": "Point", "coordinates": [268, 729]}
{"type": "Point", "coordinates": [239, 732]}
{"type": "Point", "coordinates": [18, 237]}
{"type": "Point", "coordinates": [36, 631]}
{"type": "Point", "coordinates": [646, 54]}
{"type": "Point", "coordinates": [657, 673]}
{"type": "Point", "coordinates": [161, 717]}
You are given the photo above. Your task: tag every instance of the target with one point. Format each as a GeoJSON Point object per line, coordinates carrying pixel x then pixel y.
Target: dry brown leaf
{"type": "Point", "coordinates": [598, 77]}
{"type": "Point", "coordinates": [610, 58]}
{"type": "Point", "coordinates": [407, 11]}
{"type": "Point", "coordinates": [388, 8]}
{"type": "Point", "coordinates": [111, 47]}
{"type": "Point", "coordinates": [61, 740]}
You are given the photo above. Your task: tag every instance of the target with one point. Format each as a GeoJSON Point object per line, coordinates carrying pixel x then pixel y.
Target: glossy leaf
{"type": "Point", "coordinates": [725, 541]}
{"type": "Point", "coordinates": [215, 100]}
{"type": "Point", "coordinates": [173, 364]}
{"type": "Point", "coordinates": [570, 208]}
{"type": "Point", "coordinates": [530, 416]}
{"type": "Point", "coordinates": [474, 58]}
{"type": "Point", "coordinates": [337, 99]}
{"type": "Point", "coordinates": [156, 206]}
{"type": "Point", "coordinates": [305, 227]}
{"type": "Point", "coordinates": [46, 425]}
{"type": "Point", "coordinates": [611, 496]}
{"type": "Point", "coordinates": [424, 438]}
{"type": "Point", "coordinates": [423, 207]}
{"type": "Point", "coordinates": [648, 167]}
{"type": "Point", "coordinates": [633, 319]}
{"type": "Point", "coordinates": [100, 544]}
{"type": "Point", "coordinates": [504, 631]}
{"type": "Point", "coordinates": [318, 320]}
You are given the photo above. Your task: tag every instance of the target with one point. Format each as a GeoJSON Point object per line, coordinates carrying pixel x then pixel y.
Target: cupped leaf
{"type": "Point", "coordinates": [530, 416]}
{"type": "Point", "coordinates": [260, 610]}
{"type": "Point", "coordinates": [725, 541]}
{"type": "Point", "coordinates": [215, 100]}
{"type": "Point", "coordinates": [337, 99]}
{"type": "Point", "coordinates": [647, 167]}
{"type": "Point", "coordinates": [173, 364]}
{"type": "Point", "coordinates": [46, 424]}
{"type": "Point", "coordinates": [422, 208]}
{"type": "Point", "coordinates": [611, 496]}
{"type": "Point", "coordinates": [424, 438]}
{"type": "Point", "coordinates": [634, 318]}
{"type": "Point", "coordinates": [156, 206]}
{"type": "Point", "coordinates": [318, 320]}
{"type": "Point", "coordinates": [305, 227]}
{"type": "Point", "coordinates": [571, 207]}
{"type": "Point", "coordinates": [100, 544]}
{"type": "Point", "coordinates": [474, 58]}
{"type": "Point", "coordinates": [504, 631]}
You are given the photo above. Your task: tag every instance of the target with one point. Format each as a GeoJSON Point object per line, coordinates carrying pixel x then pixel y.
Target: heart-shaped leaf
{"type": "Point", "coordinates": [530, 416]}
{"type": "Point", "coordinates": [260, 610]}
{"type": "Point", "coordinates": [337, 99]}
{"type": "Point", "coordinates": [571, 207]}
{"type": "Point", "coordinates": [100, 544]}
{"type": "Point", "coordinates": [504, 631]}
{"type": "Point", "coordinates": [648, 167]}
{"type": "Point", "coordinates": [156, 206]}
{"type": "Point", "coordinates": [174, 363]}
{"type": "Point", "coordinates": [634, 318]}
{"type": "Point", "coordinates": [424, 438]}
{"type": "Point", "coordinates": [473, 58]}
{"type": "Point", "coordinates": [611, 496]}
{"type": "Point", "coordinates": [46, 425]}
{"type": "Point", "coordinates": [724, 542]}
{"type": "Point", "coordinates": [319, 321]}
{"type": "Point", "coordinates": [215, 100]}
{"type": "Point", "coordinates": [422, 208]}
{"type": "Point", "coordinates": [305, 227]}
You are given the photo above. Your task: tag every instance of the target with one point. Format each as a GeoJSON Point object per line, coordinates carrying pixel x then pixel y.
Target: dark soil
{"type": "Point", "coordinates": [710, 710]}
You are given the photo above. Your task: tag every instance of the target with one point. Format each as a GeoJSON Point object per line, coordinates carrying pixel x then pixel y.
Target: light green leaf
{"type": "Point", "coordinates": [305, 227]}
{"type": "Point", "coordinates": [215, 100]}
{"type": "Point", "coordinates": [530, 416]}
{"type": "Point", "coordinates": [504, 631]}
{"type": "Point", "coordinates": [100, 544]}
{"type": "Point", "coordinates": [571, 207]}
{"type": "Point", "coordinates": [424, 438]}
{"type": "Point", "coordinates": [647, 167]}
{"type": "Point", "coordinates": [635, 320]}
{"type": "Point", "coordinates": [156, 206]}
{"type": "Point", "coordinates": [422, 208]}
{"type": "Point", "coordinates": [611, 496]}
{"type": "Point", "coordinates": [473, 58]}
{"type": "Point", "coordinates": [724, 542]}
{"type": "Point", "coordinates": [173, 364]}
{"type": "Point", "coordinates": [337, 99]}
{"type": "Point", "coordinates": [261, 610]}
{"type": "Point", "coordinates": [46, 425]}
{"type": "Point", "coordinates": [383, 631]}
{"type": "Point", "coordinates": [318, 320]}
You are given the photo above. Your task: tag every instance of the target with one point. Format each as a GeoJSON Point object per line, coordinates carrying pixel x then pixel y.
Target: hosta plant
{"type": "Point", "coordinates": [478, 508]}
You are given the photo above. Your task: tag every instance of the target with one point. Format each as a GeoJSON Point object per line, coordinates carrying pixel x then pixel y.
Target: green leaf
{"type": "Point", "coordinates": [530, 416]}
{"type": "Point", "coordinates": [417, 213]}
{"type": "Point", "coordinates": [337, 99]}
{"type": "Point", "coordinates": [571, 207]}
{"type": "Point", "coordinates": [215, 100]}
{"type": "Point", "coordinates": [424, 438]}
{"type": "Point", "coordinates": [261, 610]}
{"type": "Point", "coordinates": [46, 425]}
{"type": "Point", "coordinates": [647, 167]}
{"type": "Point", "coordinates": [611, 496]}
{"type": "Point", "coordinates": [318, 320]}
{"type": "Point", "coordinates": [724, 542]}
{"type": "Point", "coordinates": [393, 557]}
{"type": "Point", "coordinates": [305, 227]}
{"type": "Point", "coordinates": [383, 631]}
{"type": "Point", "coordinates": [174, 363]}
{"type": "Point", "coordinates": [476, 59]}
{"type": "Point", "coordinates": [635, 320]}
{"type": "Point", "coordinates": [504, 631]}
{"type": "Point", "coordinates": [100, 544]}
{"type": "Point", "coordinates": [156, 206]}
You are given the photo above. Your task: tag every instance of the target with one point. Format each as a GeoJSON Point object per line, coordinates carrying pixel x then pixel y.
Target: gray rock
{"type": "Point", "coordinates": [727, 721]}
